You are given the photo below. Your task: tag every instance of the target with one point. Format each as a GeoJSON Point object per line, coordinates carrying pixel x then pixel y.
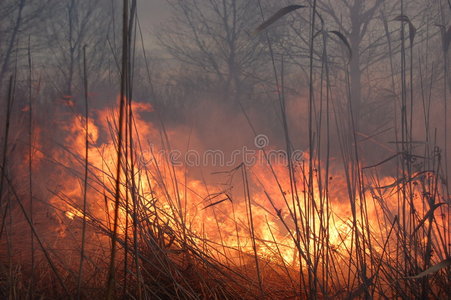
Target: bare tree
{"type": "Point", "coordinates": [357, 21]}
{"type": "Point", "coordinates": [18, 20]}
{"type": "Point", "coordinates": [361, 15]}
{"type": "Point", "coordinates": [80, 23]}
{"type": "Point", "coordinates": [362, 25]}
{"type": "Point", "coordinates": [215, 38]}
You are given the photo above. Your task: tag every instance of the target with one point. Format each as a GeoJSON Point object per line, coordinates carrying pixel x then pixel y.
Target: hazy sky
{"type": "Point", "coordinates": [151, 14]}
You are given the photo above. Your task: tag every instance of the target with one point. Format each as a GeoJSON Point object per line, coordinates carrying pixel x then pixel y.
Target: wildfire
{"type": "Point", "coordinates": [289, 223]}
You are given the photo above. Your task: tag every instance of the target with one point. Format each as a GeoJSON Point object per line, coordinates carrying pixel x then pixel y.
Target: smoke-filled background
{"type": "Point", "coordinates": [203, 67]}
{"type": "Point", "coordinates": [248, 142]}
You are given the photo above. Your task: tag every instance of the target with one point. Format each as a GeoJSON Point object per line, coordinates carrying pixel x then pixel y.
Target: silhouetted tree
{"type": "Point", "coordinates": [80, 23]}
{"type": "Point", "coordinates": [19, 19]}
{"type": "Point", "coordinates": [215, 38]}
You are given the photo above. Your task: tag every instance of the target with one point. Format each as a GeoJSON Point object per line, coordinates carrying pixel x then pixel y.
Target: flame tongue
{"type": "Point", "coordinates": [287, 225]}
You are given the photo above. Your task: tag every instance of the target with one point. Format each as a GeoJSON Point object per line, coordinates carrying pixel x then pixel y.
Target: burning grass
{"type": "Point", "coordinates": [177, 239]}
{"type": "Point", "coordinates": [103, 212]}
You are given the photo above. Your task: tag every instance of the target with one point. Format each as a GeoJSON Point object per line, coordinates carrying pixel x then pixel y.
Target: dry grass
{"type": "Point", "coordinates": [394, 243]}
